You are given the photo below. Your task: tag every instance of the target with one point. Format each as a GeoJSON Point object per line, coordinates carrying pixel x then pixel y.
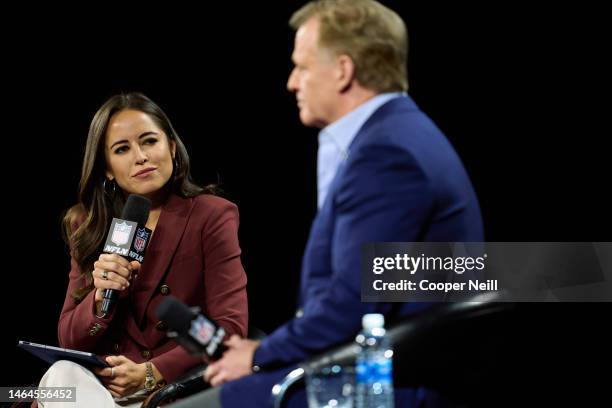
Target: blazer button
{"type": "Point", "coordinates": [161, 326]}
{"type": "Point", "coordinates": [164, 290]}
{"type": "Point", "coordinates": [116, 347]}
{"type": "Point", "coordinates": [94, 329]}
{"type": "Point", "coordinates": [146, 354]}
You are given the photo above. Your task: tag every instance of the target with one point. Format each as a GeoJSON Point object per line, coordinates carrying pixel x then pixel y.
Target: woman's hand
{"type": "Point", "coordinates": [124, 377]}
{"type": "Point", "coordinates": [112, 271]}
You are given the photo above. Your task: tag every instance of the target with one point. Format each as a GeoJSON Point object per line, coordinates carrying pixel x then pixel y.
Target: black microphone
{"type": "Point", "coordinates": [127, 237]}
{"type": "Point", "coordinates": [191, 329]}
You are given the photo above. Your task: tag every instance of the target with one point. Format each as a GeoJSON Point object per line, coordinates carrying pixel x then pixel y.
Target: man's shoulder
{"type": "Point", "coordinates": [400, 125]}
{"type": "Point", "coordinates": [396, 116]}
{"type": "Point", "coordinates": [400, 107]}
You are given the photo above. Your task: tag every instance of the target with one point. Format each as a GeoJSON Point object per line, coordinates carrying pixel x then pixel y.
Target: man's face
{"type": "Point", "coordinates": [313, 79]}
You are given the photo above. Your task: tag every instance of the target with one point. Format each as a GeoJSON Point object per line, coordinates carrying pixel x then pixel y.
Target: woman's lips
{"type": "Point", "coordinates": [144, 173]}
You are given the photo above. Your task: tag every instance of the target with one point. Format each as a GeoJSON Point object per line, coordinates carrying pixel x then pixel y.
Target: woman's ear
{"type": "Point", "coordinates": [173, 149]}
{"type": "Point", "coordinates": [109, 175]}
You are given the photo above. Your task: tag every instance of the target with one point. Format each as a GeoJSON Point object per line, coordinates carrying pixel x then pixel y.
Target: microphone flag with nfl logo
{"type": "Point", "coordinates": [127, 239]}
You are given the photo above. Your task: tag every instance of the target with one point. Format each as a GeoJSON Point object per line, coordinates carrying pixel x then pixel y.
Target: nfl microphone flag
{"type": "Point", "coordinates": [127, 239]}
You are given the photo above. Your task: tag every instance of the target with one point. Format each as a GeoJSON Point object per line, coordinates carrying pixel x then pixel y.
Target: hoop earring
{"type": "Point", "coordinates": [108, 190]}
{"type": "Point", "coordinates": [174, 168]}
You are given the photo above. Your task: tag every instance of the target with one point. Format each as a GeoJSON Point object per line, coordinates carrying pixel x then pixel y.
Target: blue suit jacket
{"type": "Point", "coordinates": [402, 182]}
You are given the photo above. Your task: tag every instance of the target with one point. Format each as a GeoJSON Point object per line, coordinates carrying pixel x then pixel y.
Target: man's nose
{"type": "Point", "coordinates": [292, 81]}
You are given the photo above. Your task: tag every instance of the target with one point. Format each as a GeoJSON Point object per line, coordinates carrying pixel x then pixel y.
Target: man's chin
{"type": "Point", "coordinates": [309, 121]}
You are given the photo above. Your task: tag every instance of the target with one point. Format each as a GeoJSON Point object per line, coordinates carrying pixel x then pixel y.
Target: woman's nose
{"type": "Point", "coordinates": [141, 157]}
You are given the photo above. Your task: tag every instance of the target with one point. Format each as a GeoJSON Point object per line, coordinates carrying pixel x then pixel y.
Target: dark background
{"type": "Point", "coordinates": [516, 89]}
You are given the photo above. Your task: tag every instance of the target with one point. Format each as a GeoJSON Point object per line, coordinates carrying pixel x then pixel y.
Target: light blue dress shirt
{"type": "Point", "coordinates": [335, 139]}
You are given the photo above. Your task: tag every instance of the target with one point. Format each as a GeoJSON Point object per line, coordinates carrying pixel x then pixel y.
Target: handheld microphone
{"type": "Point", "coordinates": [127, 237]}
{"type": "Point", "coordinates": [191, 329]}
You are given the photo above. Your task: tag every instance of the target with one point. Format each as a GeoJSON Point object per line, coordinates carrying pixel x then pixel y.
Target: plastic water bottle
{"type": "Point", "coordinates": [373, 366]}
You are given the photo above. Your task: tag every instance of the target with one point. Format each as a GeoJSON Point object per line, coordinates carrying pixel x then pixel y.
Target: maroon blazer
{"type": "Point", "coordinates": [193, 255]}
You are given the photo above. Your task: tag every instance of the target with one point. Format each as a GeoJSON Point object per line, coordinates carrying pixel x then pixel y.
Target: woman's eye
{"type": "Point", "coordinates": [150, 140]}
{"type": "Point", "coordinates": [121, 149]}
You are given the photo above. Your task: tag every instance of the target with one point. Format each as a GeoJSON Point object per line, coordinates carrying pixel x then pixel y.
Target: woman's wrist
{"type": "Point", "coordinates": [159, 378]}
{"type": "Point", "coordinates": [151, 371]}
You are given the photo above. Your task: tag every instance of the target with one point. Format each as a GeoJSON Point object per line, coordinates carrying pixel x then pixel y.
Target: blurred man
{"type": "Point", "coordinates": [385, 174]}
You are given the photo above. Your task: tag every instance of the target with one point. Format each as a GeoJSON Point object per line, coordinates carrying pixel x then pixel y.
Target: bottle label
{"type": "Point", "coordinates": [374, 371]}
{"type": "Point", "coordinates": [361, 372]}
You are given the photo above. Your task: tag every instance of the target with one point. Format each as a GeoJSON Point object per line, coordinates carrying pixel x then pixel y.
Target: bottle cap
{"type": "Point", "coordinates": [372, 321]}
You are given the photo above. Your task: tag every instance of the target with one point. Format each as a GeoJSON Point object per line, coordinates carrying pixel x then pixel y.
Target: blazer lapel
{"type": "Point", "coordinates": [166, 237]}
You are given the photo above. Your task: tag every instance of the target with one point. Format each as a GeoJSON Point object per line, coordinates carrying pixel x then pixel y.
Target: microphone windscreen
{"type": "Point", "coordinates": [136, 209]}
{"type": "Point", "coordinates": [176, 314]}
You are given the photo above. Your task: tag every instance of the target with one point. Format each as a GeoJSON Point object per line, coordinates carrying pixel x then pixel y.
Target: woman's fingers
{"type": "Point", "coordinates": [135, 265]}
{"type": "Point", "coordinates": [104, 279]}
{"type": "Point", "coordinates": [123, 269]}
{"type": "Point", "coordinates": [104, 372]}
{"type": "Point", "coordinates": [112, 271]}
{"type": "Point", "coordinates": [118, 360]}
{"type": "Point", "coordinates": [115, 390]}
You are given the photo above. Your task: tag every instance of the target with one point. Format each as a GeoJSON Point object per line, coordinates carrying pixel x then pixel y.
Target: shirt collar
{"type": "Point", "coordinates": [343, 131]}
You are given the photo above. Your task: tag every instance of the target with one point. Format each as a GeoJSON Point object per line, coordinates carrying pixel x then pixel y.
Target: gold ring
{"type": "Point", "coordinates": [112, 372]}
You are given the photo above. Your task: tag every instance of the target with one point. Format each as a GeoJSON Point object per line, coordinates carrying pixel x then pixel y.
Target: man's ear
{"type": "Point", "coordinates": [345, 72]}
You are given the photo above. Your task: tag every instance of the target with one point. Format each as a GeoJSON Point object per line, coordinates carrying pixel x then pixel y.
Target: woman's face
{"type": "Point", "coordinates": [138, 153]}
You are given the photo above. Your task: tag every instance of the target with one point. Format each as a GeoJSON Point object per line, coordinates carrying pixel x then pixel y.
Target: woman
{"type": "Point", "coordinates": [193, 254]}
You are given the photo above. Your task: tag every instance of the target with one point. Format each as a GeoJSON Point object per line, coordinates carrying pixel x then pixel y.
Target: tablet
{"type": "Point", "coordinates": [51, 354]}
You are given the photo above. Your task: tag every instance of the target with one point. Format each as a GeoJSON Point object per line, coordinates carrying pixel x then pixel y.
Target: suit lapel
{"type": "Point", "coordinates": [322, 227]}
{"type": "Point", "coordinates": [404, 103]}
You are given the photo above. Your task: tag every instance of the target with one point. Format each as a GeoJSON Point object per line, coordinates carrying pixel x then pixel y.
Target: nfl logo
{"type": "Point", "coordinates": [121, 234]}
{"type": "Point", "coordinates": [141, 239]}
{"type": "Point", "coordinates": [205, 332]}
